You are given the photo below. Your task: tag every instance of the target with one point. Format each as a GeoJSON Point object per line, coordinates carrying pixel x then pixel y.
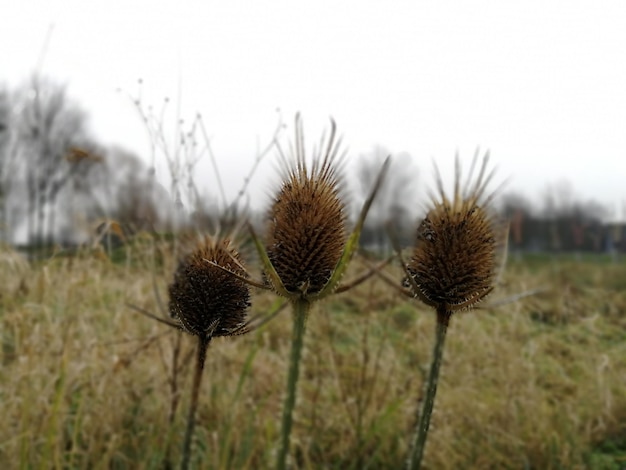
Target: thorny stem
{"type": "Point", "coordinates": [175, 396]}
{"type": "Point", "coordinates": [300, 313]}
{"type": "Point", "coordinates": [421, 432]}
{"type": "Point", "coordinates": [203, 344]}
{"type": "Point", "coordinates": [174, 378]}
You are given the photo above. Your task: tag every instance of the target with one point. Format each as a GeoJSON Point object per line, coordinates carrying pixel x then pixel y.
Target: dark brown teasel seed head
{"type": "Point", "coordinates": [307, 221]}
{"type": "Point", "coordinates": [457, 253]}
{"type": "Point", "coordinates": [206, 299]}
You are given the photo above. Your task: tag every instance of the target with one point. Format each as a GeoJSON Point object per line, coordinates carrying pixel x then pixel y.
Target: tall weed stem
{"type": "Point", "coordinates": [419, 439]}
{"type": "Point", "coordinates": [203, 344]}
{"type": "Point", "coordinates": [300, 313]}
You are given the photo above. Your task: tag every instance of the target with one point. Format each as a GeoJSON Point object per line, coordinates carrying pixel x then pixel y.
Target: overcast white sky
{"type": "Point", "coordinates": [542, 84]}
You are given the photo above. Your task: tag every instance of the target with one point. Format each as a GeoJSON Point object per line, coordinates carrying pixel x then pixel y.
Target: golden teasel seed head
{"type": "Point", "coordinates": [458, 249]}
{"type": "Point", "coordinates": [206, 299]}
{"type": "Point", "coordinates": [307, 220]}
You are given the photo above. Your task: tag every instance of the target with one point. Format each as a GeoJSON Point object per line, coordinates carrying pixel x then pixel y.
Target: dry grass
{"type": "Point", "coordinates": [85, 382]}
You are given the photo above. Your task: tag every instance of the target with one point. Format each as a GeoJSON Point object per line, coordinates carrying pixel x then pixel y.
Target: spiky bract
{"type": "Point", "coordinates": [206, 299]}
{"type": "Point", "coordinates": [456, 258]}
{"type": "Point", "coordinates": [307, 221]}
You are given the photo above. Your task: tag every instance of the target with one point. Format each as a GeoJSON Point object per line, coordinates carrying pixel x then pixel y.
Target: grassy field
{"type": "Point", "coordinates": [86, 382]}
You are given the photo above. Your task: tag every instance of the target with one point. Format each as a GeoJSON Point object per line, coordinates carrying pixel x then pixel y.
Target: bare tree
{"type": "Point", "coordinates": [138, 200]}
{"type": "Point", "coordinates": [518, 210]}
{"type": "Point", "coordinates": [5, 114]}
{"type": "Point", "coordinates": [46, 151]}
{"type": "Point", "coordinates": [573, 224]}
{"type": "Point", "coordinates": [396, 199]}
{"type": "Point", "coordinates": [121, 190]}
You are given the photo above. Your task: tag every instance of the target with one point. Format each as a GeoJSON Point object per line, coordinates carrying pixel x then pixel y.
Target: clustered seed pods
{"type": "Point", "coordinates": [307, 225]}
{"type": "Point", "coordinates": [206, 299]}
{"type": "Point", "coordinates": [456, 257]}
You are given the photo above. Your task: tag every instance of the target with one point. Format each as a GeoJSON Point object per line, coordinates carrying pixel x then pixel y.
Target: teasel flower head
{"type": "Point", "coordinates": [460, 246]}
{"type": "Point", "coordinates": [307, 231]}
{"type": "Point", "coordinates": [207, 300]}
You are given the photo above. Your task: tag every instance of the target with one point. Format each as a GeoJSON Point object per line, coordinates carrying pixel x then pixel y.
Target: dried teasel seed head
{"type": "Point", "coordinates": [459, 246]}
{"type": "Point", "coordinates": [206, 299]}
{"type": "Point", "coordinates": [307, 221]}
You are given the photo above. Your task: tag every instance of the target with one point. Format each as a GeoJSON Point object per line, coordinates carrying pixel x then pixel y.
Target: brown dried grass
{"type": "Point", "coordinates": [84, 380]}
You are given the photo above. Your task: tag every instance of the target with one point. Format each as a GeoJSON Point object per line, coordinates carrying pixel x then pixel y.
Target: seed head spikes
{"type": "Point", "coordinates": [307, 247]}
{"type": "Point", "coordinates": [206, 299]}
{"type": "Point", "coordinates": [456, 257]}
{"type": "Point", "coordinates": [307, 221]}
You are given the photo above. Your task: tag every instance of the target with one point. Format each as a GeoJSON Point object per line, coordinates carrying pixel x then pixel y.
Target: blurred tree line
{"type": "Point", "coordinates": [562, 224]}
{"type": "Point", "coordinates": [56, 180]}
{"type": "Point", "coordinates": [58, 184]}
{"type": "Point", "coordinates": [559, 223]}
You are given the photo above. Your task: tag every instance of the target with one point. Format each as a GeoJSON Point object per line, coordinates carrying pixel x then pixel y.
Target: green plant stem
{"type": "Point", "coordinates": [421, 432]}
{"type": "Point", "coordinates": [300, 312]}
{"type": "Point", "coordinates": [203, 344]}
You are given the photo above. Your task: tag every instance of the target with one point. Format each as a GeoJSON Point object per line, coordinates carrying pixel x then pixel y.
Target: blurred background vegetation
{"type": "Point", "coordinates": [60, 187]}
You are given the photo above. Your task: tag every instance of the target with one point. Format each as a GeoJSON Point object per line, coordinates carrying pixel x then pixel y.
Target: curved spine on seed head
{"type": "Point", "coordinates": [455, 261]}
